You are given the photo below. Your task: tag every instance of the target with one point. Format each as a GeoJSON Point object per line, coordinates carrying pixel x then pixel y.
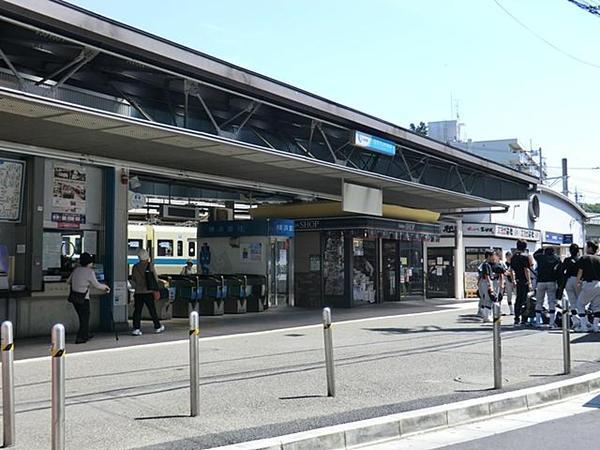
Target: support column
{"type": "Point", "coordinates": [114, 305]}
{"type": "Point", "coordinates": [459, 261]}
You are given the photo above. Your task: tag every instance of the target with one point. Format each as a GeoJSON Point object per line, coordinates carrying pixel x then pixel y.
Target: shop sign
{"type": "Point", "coordinates": [553, 238]}
{"type": "Point", "coordinates": [478, 229]}
{"type": "Point", "coordinates": [494, 230]}
{"type": "Point", "coordinates": [567, 238]}
{"type": "Point", "coordinates": [374, 143]}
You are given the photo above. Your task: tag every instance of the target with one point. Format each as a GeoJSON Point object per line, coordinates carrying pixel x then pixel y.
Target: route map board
{"type": "Point", "coordinates": [12, 174]}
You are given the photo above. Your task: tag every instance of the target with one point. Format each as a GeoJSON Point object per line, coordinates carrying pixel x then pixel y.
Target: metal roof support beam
{"type": "Point", "coordinates": [304, 149]}
{"type": "Point", "coordinates": [192, 89]}
{"type": "Point", "coordinates": [88, 55]}
{"type": "Point", "coordinates": [406, 166]}
{"type": "Point", "coordinates": [328, 144]}
{"type": "Point", "coordinates": [16, 73]}
{"type": "Point", "coordinates": [250, 109]}
{"type": "Point", "coordinates": [133, 102]}
{"type": "Point", "coordinates": [262, 138]}
{"type": "Point", "coordinates": [83, 55]}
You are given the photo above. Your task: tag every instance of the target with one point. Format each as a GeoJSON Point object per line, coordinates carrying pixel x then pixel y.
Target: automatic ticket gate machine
{"type": "Point", "coordinates": [260, 247]}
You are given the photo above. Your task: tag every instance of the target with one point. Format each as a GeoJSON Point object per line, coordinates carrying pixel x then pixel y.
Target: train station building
{"type": "Point", "coordinates": [112, 140]}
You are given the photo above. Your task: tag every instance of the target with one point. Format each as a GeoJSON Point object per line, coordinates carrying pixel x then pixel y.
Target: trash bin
{"type": "Point", "coordinates": [235, 298]}
{"type": "Point", "coordinates": [256, 293]}
{"type": "Point", "coordinates": [212, 292]}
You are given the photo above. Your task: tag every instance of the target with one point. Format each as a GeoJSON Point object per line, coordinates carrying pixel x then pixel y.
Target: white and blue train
{"type": "Point", "coordinates": [169, 246]}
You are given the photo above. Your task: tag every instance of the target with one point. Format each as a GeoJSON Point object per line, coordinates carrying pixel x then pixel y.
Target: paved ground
{"type": "Point", "coordinates": [565, 425]}
{"type": "Point", "coordinates": [271, 383]}
{"type": "Point", "coordinates": [228, 324]}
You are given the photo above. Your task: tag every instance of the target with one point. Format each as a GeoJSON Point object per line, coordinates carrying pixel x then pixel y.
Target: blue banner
{"type": "Point", "coordinates": [259, 227]}
{"type": "Point", "coordinates": [374, 143]}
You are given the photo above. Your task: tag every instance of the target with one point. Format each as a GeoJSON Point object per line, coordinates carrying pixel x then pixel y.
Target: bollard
{"type": "Point", "coordinates": [57, 353]}
{"type": "Point", "coordinates": [194, 363]}
{"type": "Point", "coordinates": [8, 385]}
{"type": "Point", "coordinates": [497, 347]}
{"type": "Point", "coordinates": [328, 352]}
{"type": "Point", "coordinates": [566, 335]}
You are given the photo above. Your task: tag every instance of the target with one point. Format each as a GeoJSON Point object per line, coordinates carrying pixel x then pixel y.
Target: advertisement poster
{"type": "Point", "coordinates": [69, 194]}
{"type": "Point", "coordinates": [251, 252]}
{"type": "Point", "coordinates": [11, 189]}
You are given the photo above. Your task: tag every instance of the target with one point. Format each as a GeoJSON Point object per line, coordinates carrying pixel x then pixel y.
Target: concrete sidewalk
{"type": "Point", "coordinates": [261, 385]}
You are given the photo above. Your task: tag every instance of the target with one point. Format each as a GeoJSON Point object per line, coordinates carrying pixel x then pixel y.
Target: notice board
{"type": "Point", "coordinates": [12, 174]}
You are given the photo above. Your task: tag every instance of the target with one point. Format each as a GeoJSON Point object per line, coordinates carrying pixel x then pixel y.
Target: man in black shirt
{"type": "Point", "coordinates": [548, 265]}
{"type": "Point", "coordinates": [509, 285]}
{"type": "Point", "coordinates": [520, 267]}
{"type": "Point", "coordinates": [588, 281]}
{"type": "Point", "coordinates": [568, 281]}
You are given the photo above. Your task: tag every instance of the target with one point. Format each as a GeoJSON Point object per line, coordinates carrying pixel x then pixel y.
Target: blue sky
{"type": "Point", "coordinates": [404, 60]}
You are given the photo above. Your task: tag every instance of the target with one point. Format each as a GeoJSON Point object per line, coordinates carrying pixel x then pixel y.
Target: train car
{"type": "Point", "coordinates": [169, 246]}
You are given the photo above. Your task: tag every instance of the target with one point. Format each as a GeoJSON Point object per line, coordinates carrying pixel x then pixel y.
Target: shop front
{"type": "Point", "coordinates": [350, 261]}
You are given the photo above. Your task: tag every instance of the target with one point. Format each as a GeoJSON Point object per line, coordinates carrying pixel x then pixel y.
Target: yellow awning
{"type": "Point", "coordinates": [334, 209]}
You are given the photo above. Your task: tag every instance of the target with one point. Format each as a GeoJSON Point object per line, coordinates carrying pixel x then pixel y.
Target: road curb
{"type": "Point", "coordinates": [387, 428]}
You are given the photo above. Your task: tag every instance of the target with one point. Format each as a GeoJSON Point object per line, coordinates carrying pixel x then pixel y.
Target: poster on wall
{"type": "Point", "coordinates": [11, 189]}
{"type": "Point", "coordinates": [251, 252]}
{"type": "Point", "coordinates": [68, 195]}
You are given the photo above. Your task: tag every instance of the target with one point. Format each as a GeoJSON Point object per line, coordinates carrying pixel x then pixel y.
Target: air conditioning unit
{"type": "Point", "coordinates": [180, 212]}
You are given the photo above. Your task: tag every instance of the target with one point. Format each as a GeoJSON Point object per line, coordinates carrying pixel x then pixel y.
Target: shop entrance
{"type": "Point", "coordinates": [390, 274]}
{"type": "Point", "coordinates": [440, 272]}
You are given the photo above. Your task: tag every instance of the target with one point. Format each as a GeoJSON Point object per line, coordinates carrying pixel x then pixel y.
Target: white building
{"type": "Point", "coordinates": [548, 218]}
{"type": "Point", "coordinates": [507, 152]}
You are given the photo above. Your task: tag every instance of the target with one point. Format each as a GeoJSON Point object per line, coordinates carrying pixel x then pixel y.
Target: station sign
{"type": "Point", "coordinates": [557, 238]}
{"type": "Point", "coordinates": [374, 143]}
{"type": "Point", "coordinates": [257, 227]}
{"type": "Point", "coordinates": [494, 230]}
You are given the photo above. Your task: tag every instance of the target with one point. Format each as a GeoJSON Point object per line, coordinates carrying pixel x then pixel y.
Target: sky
{"type": "Point", "coordinates": [409, 61]}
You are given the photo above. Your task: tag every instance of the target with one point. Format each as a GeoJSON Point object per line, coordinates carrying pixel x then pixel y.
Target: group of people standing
{"type": "Point", "coordinates": [539, 282]}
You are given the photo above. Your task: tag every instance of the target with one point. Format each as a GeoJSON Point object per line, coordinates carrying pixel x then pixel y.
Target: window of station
{"type": "Point", "coordinates": [165, 247]}
{"type": "Point", "coordinates": [61, 251]}
{"type": "Point", "coordinates": [179, 248]}
{"type": "Point", "coordinates": [192, 249]}
{"type": "Point", "coordinates": [134, 246]}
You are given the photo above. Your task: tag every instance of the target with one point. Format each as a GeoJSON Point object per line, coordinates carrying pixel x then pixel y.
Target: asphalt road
{"type": "Point", "coordinates": [271, 383]}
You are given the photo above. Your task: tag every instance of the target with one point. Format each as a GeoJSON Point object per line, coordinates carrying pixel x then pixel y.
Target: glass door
{"type": "Point", "coordinates": [440, 272]}
{"type": "Point", "coordinates": [280, 271]}
{"type": "Point", "coordinates": [390, 271]}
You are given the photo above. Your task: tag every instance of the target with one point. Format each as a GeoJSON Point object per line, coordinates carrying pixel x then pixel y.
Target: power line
{"type": "Point", "coordinates": [592, 9]}
{"type": "Point", "coordinates": [546, 41]}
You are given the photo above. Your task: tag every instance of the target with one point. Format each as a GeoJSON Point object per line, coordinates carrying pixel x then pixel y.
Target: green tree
{"type": "Point", "coordinates": [591, 207]}
{"type": "Point", "coordinates": [419, 129]}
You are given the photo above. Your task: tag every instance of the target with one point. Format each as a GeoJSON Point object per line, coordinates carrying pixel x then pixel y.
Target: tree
{"type": "Point", "coordinates": [593, 208]}
{"type": "Point", "coordinates": [419, 129]}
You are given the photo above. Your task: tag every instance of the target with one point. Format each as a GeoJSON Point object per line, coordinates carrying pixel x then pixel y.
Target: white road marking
{"type": "Point", "coordinates": [446, 308]}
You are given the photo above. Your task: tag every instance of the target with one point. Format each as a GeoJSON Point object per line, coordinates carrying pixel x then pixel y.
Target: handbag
{"type": "Point", "coordinates": [77, 298]}
{"type": "Point", "coordinates": [151, 283]}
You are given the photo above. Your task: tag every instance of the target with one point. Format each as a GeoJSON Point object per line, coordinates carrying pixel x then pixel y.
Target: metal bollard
{"type": "Point", "coordinates": [194, 363]}
{"type": "Point", "coordinates": [566, 335]}
{"type": "Point", "coordinates": [497, 347]}
{"type": "Point", "coordinates": [328, 352]}
{"type": "Point", "coordinates": [57, 352]}
{"type": "Point", "coordinates": [8, 385]}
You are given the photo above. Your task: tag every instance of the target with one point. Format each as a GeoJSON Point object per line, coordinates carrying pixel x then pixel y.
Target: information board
{"type": "Point", "coordinates": [12, 174]}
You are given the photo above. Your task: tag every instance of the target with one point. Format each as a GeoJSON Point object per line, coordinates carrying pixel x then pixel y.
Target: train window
{"type": "Point", "coordinates": [165, 247]}
{"type": "Point", "coordinates": [191, 249]}
{"type": "Point", "coordinates": [134, 246]}
{"type": "Point", "coordinates": [179, 248]}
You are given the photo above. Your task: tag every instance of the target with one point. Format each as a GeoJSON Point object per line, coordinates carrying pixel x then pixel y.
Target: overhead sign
{"type": "Point", "coordinates": [362, 200]}
{"type": "Point", "coordinates": [136, 200]}
{"type": "Point", "coordinates": [374, 143]}
{"type": "Point", "coordinates": [495, 230]}
{"type": "Point", "coordinates": [557, 238]}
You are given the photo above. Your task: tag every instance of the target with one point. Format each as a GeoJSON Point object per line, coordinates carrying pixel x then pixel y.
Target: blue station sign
{"type": "Point", "coordinates": [257, 227]}
{"type": "Point", "coordinates": [374, 143]}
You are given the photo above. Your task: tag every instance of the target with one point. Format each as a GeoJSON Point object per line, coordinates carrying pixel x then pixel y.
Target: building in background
{"type": "Point", "coordinates": [507, 152]}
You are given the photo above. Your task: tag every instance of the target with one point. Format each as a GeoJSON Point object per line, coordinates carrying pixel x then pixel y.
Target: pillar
{"type": "Point", "coordinates": [459, 261]}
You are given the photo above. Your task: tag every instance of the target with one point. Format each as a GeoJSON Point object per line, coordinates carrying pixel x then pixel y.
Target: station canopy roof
{"type": "Point", "coordinates": [39, 124]}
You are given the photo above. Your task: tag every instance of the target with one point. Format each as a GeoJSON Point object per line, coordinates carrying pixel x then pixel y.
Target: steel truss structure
{"type": "Point", "coordinates": [45, 62]}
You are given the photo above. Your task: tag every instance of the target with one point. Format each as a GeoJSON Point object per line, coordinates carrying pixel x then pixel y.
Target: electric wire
{"type": "Point", "coordinates": [546, 41]}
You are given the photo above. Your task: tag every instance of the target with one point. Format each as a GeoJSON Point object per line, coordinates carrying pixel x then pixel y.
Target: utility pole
{"type": "Point", "coordinates": [541, 166]}
{"type": "Point", "coordinates": [565, 178]}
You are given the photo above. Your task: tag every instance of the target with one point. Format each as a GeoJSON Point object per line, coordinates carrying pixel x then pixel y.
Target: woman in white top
{"type": "Point", "coordinates": [81, 279]}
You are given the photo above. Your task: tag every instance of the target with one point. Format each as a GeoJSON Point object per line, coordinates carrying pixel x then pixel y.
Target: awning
{"type": "Point", "coordinates": [89, 134]}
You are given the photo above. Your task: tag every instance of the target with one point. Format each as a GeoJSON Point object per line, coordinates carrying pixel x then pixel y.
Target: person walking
{"type": "Point", "coordinates": [509, 284]}
{"type": "Point", "coordinates": [568, 282]}
{"type": "Point", "coordinates": [140, 274]}
{"type": "Point", "coordinates": [548, 265]}
{"type": "Point", "coordinates": [486, 288]}
{"type": "Point", "coordinates": [588, 284]}
{"type": "Point", "coordinates": [520, 268]}
{"type": "Point", "coordinates": [189, 268]}
{"type": "Point", "coordinates": [81, 280]}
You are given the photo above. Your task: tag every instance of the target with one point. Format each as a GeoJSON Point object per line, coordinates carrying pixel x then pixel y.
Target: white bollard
{"type": "Point", "coordinates": [57, 353]}
{"type": "Point", "coordinates": [327, 336]}
{"type": "Point", "coordinates": [194, 363]}
{"type": "Point", "coordinates": [8, 385]}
